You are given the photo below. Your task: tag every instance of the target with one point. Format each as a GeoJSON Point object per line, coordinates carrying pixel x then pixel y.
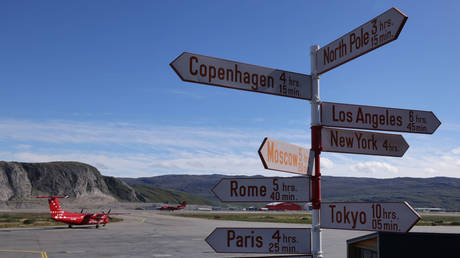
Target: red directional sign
{"type": "Point", "coordinates": [261, 240]}
{"type": "Point", "coordinates": [225, 73]}
{"type": "Point", "coordinates": [367, 37]}
{"type": "Point", "coordinates": [286, 157]}
{"type": "Point", "coordinates": [372, 216]}
{"type": "Point", "coordinates": [264, 189]}
{"type": "Point", "coordinates": [362, 142]}
{"type": "Point", "coordinates": [378, 118]}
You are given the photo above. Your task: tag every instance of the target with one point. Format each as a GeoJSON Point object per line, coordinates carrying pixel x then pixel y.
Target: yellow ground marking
{"type": "Point", "coordinates": [43, 253]}
{"type": "Point", "coordinates": [143, 220]}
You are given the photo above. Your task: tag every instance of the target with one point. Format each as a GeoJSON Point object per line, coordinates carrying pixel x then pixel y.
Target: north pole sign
{"type": "Point", "coordinates": [286, 157]}
{"type": "Point", "coordinates": [363, 142]}
{"type": "Point", "coordinates": [230, 74]}
{"type": "Point", "coordinates": [372, 216]}
{"type": "Point", "coordinates": [367, 37]}
{"type": "Point", "coordinates": [378, 118]}
{"type": "Point", "coordinates": [264, 189]}
{"type": "Point", "coordinates": [261, 240]}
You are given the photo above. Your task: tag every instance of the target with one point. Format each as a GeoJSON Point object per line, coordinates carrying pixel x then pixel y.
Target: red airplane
{"type": "Point", "coordinates": [174, 208]}
{"type": "Point", "coordinates": [71, 218]}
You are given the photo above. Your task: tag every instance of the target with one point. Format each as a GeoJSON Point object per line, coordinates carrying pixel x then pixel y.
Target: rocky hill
{"type": "Point", "coordinates": [23, 181]}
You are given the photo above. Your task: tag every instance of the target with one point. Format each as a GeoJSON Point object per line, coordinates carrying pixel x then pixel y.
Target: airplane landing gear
{"type": "Point", "coordinates": [70, 226]}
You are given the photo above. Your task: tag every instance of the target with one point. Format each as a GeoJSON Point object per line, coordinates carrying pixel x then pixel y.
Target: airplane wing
{"type": "Point", "coordinates": [99, 215]}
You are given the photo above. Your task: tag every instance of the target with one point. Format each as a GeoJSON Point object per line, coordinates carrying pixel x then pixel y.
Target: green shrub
{"type": "Point", "coordinates": [28, 221]}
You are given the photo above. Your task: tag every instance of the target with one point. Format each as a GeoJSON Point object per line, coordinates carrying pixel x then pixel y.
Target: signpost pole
{"type": "Point", "coordinates": [316, 147]}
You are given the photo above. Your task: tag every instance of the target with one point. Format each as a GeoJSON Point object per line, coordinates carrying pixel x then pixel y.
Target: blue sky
{"type": "Point", "coordinates": [90, 81]}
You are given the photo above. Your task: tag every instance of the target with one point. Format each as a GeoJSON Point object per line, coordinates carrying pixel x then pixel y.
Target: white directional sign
{"type": "Point", "coordinates": [372, 216]}
{"type": "Point", "coordinates": [261, 240]}
{"type": "Point", "coordinates": [378, 118]}
{"type": "Point", "coordinates": [225, 73]}
{"type": "Point", "coordinates": [362, 142]}
{"type": "Point", "coordinates": [286, 157]}
{"type": "Point", "coordinates": [264, 189]}
{"type": "Point", "coordinates": [367, 37]}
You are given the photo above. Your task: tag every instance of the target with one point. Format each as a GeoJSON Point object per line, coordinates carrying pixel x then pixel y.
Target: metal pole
{"type": "Point", "coordinates": [316, 147]}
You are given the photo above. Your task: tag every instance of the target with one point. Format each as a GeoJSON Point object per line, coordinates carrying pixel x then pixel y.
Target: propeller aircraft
{"type": "Point", "coordinates": [71, 218]}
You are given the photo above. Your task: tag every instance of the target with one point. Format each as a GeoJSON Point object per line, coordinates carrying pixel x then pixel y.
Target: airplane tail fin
{"type": "Point", "coordinates": [184, 203]}
{"type": "Point", "coordinates": [53, 202]}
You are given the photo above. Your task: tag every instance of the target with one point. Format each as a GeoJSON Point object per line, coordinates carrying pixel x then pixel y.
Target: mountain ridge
{"type": "Point", "coordinates": [23, 181]}
{"type": "Point", "coordinates": [439, 192]}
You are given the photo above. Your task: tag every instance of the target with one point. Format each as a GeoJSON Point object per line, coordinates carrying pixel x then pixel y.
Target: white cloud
{"type": "Point", "coordinates": [373, 167]}
{"type": "Point", "coordinates": [137, 150]}
{"type": "Point", "coordinates": [456, 151]}
{"type": "Point", "coordinates": [230, 163]}
{"type": "Point", "coordinates": [185, 93]}
{"type": "Point", "coordinates": [109, 163]}
{"type": "Point", "coordinates": [131, 150]}
{"type": "Point", "coordinates": [23, 146]}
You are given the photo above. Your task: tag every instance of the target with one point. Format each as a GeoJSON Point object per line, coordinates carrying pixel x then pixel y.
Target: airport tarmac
{"type": "Point", "coordinates": [150, 234]}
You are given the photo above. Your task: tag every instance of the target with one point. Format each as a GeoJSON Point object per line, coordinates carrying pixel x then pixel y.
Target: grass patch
{"type": "Point", "coordinates": [254, 217]}
{"type": "Point", "coordinates": [427, 220]}
{"type": "Point", "coordinates": [115, 219]}
{"type": "Point", "coordinates": [22, 219]}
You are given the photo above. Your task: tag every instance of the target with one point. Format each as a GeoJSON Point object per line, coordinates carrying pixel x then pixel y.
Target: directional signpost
{"type": "Point", "coordinates": [378, 118]}
{"type": "Point", "coordinates": [264, 189]}
{"type": "Point", "coordinates": [281, 156]}
{"type": "Point", "coordinates": [261, 240]}
{"type": "Point", "coordinates": [377, 32]}
{"type": "Point", "coordinates": [373, 216]}
{"type": "Point", "coordinates": [225, 73]}
{"type": "Point", "coordinates": [362, 142]}
{"type": "Point", "coordinates": [286, 157]}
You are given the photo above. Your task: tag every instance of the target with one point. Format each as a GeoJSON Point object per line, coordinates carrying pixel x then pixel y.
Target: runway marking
{"type": "Point", "coordinates": [162, 255]}
{"type": "Point", "coordinates": [42, 253]}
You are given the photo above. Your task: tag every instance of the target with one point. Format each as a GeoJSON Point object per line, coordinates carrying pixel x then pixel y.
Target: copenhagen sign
{"type": "Point", "coordinates": [286, 157]}
{"type": "Point", "coordinates": [230, 74]}
{"type": "Point", "coordinates": [261, 240]}
{"type": "Point", "coordinates": [377, 32]}
{"type": "Point", "coordinates": [363, 142]}
{"type": "Point", "coordinates": [378, 118]}
{"type": "Point", "coordinates": [265, 189]}
{"type": "Point", "coordinates": [372, 216]}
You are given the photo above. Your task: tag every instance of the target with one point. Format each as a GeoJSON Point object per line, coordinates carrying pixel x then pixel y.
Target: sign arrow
{"type": "Point", "coordinates": [286, 157]}
{"type": "Point", "coordinates": [265, 189]}
{"type": "Point", "coordinates": [377, 32]}
{"type": "Point", "coordinates": [372, 216]}
{"type": "Point", "coordinates": [362, 142]}
{"type": "Point", "coordinates": [230, 74]}
{"type": "Point", "coordinates": [261, 240]}
{"type": "Point", "coordinates": [378, 118]}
